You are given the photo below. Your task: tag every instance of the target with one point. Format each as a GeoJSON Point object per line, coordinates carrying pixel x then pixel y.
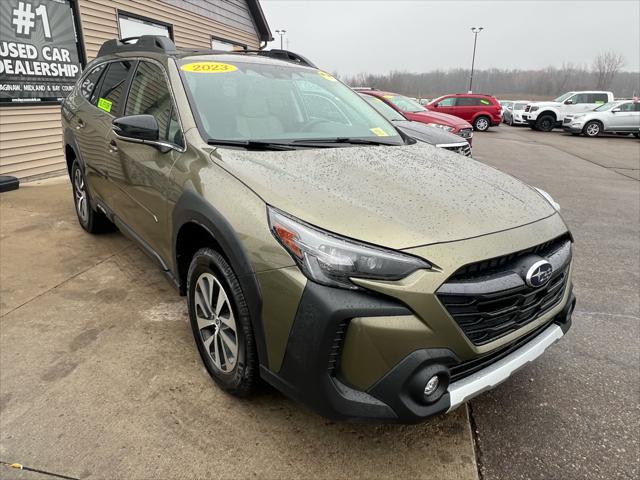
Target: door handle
{"type": "Point", "coordinates": [113, 146]}
{"type": "Point", "coordinates": [80, 125]}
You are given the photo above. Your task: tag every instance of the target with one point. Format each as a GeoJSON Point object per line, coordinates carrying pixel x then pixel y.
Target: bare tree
{"type": "Point", "coordinates": [605, 66]}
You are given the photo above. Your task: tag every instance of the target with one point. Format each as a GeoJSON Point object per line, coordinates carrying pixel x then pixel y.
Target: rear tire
{"type": "Point", "coordinates": [481, 124]}
{"type": "Point", "coordinates": [545, 123]}
{"type": "Point", "coordinates": [221, 323]}
{"type": "Point", "coordinates": [93, 221]}
{"type": "Point", "coordinates": [592, 129]}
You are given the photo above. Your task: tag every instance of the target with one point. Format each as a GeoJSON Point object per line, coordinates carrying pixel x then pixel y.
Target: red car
{"type": "Point", "coordinates": [482, 111]}
{"type": "Point", "coordinates": [412, 110]}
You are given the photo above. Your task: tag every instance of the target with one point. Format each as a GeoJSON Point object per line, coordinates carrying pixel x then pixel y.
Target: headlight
{"type": "Point", "coordinates": [533, 109]}
{"type": "Point", "coordinates": [575, 117]}
{"type": "Point", "coordinates": [331, 260]}
{"type": "Point", "coordinates": [548, 198]}
{"type": "Point", "coordinates": [446, 128]}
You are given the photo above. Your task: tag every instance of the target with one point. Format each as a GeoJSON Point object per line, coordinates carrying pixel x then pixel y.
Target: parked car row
{"type": "Point", "coordinates": [588, 113]}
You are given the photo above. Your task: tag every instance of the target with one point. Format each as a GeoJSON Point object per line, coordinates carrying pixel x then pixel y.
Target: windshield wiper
{"type": "Point", "coordinates": [350, 140]}
{"type": "Point", "coordinates": [251, 144]}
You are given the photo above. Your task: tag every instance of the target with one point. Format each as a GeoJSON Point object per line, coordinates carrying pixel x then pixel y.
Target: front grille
{"type": "Point", "coordinates": [465, 369]}
{"type": "Point", "coordinates": [462, 150]}
{"type": "Point", "coordinates": [466, 132]}
{"type": "Point", "coordinates": [489, 299]}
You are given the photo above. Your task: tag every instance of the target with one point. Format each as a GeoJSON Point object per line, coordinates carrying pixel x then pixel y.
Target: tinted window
{"type": "Point", "coordinates": [149, 95]}
{"type": "Point", "coordinates": [472, 102]}
{"type": "Point", "coordinates": [90, 81]}
{"type": "Point", "coordinates": [447, 102]}
{"type": "Point", "coordinates": [582, 98]}
{"type": "Point", "coordinates": [112, 87]}
{"type": "Point", "coordinates": [598, 98]}
{"type": "Point", "coordinates": [629, 107]}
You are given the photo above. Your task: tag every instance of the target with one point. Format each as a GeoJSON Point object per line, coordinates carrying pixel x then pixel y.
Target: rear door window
{"type": "Point", "coordinates": [599, 98]}
{"type": "Point", "coordinates": [112, 87]}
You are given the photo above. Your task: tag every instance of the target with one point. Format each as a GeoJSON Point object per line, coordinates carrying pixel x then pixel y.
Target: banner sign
{"type": "Point", "coordinates": [39, 51]}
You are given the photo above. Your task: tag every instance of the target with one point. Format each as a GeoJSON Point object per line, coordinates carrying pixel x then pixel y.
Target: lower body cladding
{"type": "Point", "coordinates": [405, 353]}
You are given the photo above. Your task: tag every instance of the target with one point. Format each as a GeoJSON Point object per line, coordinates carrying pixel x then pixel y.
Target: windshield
{"type": "Point", "coordinates": [251, 101]}
{"type": "Point", "coordinates": [562, 98]}
{"type": "Point", "coordinates": [385, 110]}
{"type": "Point", "coordinates": [519, 106]}
{"type": "Point", "coordinates": [405, 103]}
{"type": "Point", "coordinates": [605, 107]}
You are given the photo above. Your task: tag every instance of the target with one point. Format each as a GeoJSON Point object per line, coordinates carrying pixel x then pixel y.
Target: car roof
{"type": "Point", "coordinates": [154, 46]}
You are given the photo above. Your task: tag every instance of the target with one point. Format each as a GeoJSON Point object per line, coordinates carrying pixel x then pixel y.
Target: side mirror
{"type": "Point", "coordinates": [137, 127]}
{"type": "Point", "coordinates": [616, 110]}
{"type": "Point", "coordinates": [436, 105]}
{"type": "Point", "coordinates": [568, 102]}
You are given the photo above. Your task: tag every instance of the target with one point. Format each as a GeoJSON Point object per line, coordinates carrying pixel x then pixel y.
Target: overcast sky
{"type": "Point", "coordinates": [352, 36]}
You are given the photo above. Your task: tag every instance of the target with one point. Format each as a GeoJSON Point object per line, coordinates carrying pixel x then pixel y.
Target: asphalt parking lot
{"type": "Point", "coordinates": [99, 377]}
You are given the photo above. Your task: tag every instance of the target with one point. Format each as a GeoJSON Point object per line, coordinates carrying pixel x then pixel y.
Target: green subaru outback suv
{"type": "Point", "coordinates": [358, 271]}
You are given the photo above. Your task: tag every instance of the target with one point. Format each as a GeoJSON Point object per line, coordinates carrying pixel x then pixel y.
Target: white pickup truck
{"type": "Point", "coordinates": [545, 116]}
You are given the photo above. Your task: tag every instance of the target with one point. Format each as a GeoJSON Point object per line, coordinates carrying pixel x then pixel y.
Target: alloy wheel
{"type": "Point", "coordinates": [216, 322]}
{"type": "Point", "coordinates": [593, 129]}
{"type": "Point", "coordinates": [482, 124]}
{"type": "Point", "coordinates": [80, 193]}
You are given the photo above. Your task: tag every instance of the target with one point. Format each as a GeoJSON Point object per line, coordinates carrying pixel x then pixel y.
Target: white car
{"type": "Point", "coordinates": [545, 116]}
{"type": "Point", "coordinates": [513, 114]}
{"type": "Point", "coordinates": [612, 117]}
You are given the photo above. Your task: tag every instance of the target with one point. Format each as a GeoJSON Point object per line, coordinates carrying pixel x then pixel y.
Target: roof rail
{"type": "Point", "coordinates": [285, 55]}
{"type": "Point", "coordinates": [364, 88]}
{"type": "Point", "coordinates": [145, 43]}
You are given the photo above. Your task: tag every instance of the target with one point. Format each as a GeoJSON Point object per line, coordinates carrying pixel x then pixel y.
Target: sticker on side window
{"type": "Point", "coordinates": [379, 132]}
{"type": "Point", "coordinates": [104, 104]}
{"type": "Point", "coordinates": [326, 76]}
{"type": "Point", "coordinates": [485, 102]}
{"type": "Point", "coordinates": [209, 67]}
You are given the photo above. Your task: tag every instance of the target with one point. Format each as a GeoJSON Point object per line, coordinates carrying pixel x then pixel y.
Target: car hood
{"type": "Point", "coordinates": [545, 104]}
{"type": "Point", "coordinates": [437, 117]}
{"type": "Point", "coordinates": [427, 133]}
{"type": "Point", "coordinates": [398, 197]}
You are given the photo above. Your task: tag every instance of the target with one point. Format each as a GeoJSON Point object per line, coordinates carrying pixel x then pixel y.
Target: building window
{"type": "Point", "coordinates": [225, 45]}
{"type": "Point", "coordinates": [136, 26]}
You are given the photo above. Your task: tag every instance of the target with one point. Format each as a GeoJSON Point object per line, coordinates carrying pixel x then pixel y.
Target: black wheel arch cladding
{"type": "Point", "coordinates": [191, 208]}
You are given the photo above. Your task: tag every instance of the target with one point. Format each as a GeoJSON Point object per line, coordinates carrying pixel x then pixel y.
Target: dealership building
{"type": "Point", "coordinates": [44, 45]}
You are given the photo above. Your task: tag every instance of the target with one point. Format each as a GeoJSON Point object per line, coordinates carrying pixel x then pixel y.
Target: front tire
{"type": "Point", "coordinates": [545, 123]}
{"type": "Point", "coordinates": [93, 221]}
{"type": "Point", "coordinates": [481, 124]}
{"type": "Point", "coordinates": [221, 323]}
{"type": "Point", "coordinates": [592, 129]}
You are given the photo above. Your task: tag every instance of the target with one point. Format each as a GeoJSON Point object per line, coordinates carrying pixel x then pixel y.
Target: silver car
{"type": "Point", "coordinates": [622, 116]}
{"type": "Point", "coordinates": [513, 114]}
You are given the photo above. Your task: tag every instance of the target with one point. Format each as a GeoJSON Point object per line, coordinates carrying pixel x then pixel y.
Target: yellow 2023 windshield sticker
{"type": "Point", "coordinates": [209, 67]}
{"type": "Point", "coordinates": [379, 132]}
{"type": "Point", "coordinates": [104, 104]}
{"type": "Point", "coordinates": [326, 76]}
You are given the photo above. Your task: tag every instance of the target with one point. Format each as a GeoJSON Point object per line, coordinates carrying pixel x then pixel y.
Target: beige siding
{"type": "Point", "coordinates": [190, 30]}
{"type": "Point", "coordinates": [30, 141]}
{"type": "Point", "coordinates": [31, 137]}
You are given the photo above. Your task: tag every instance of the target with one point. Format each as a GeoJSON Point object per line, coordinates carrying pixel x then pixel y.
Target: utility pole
{"type": "Point", "coordinates": [476, 31]}
{"type": "Point", "coordinates": [281, 33]}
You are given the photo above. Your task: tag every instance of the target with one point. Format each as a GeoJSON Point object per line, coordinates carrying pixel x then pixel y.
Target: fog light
{"type": "Point", "coordinates": [431, 386]}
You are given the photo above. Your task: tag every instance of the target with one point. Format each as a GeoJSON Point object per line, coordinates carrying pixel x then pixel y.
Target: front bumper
{"type": "Point", "coordinates": [573, 127]}
{"type": "Point", "coordinates": [366, 355]}
{"type": "Point", "coordinates": [309, 371]}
